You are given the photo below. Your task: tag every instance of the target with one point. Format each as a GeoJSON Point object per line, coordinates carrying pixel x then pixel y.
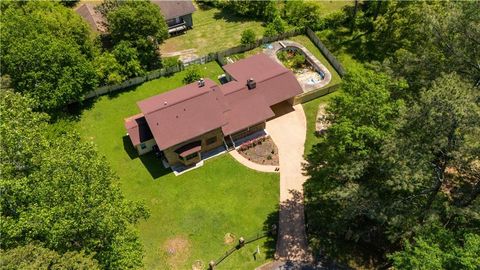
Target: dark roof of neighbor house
{"type": "Point", "coordinates": [174, 9]}
{"type": "Point", "coordinates": [190, 111]}
{"type": "Point", "coordinates": [93, 17]}
{"type": "Point", "coordinates": [138, 129]}
{"type": "Point", "coordinates": [169, 10]}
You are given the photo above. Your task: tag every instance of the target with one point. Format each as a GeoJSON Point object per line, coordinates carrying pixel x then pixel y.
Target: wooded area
{"type": "Point", "coordinates": [394, 181]}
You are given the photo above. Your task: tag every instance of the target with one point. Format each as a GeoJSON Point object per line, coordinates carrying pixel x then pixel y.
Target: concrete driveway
{"type": "Point", "coordinates": [288, 131]}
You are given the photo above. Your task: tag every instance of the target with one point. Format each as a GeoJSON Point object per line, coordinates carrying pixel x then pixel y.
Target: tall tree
{"type": "Point", "coordinates": [47, 51]}
{"type": "Point", "coordinates": [347, 184]}
{"type": "Point", "coordinates": [436, 146]}
{"type": "Point", "coordinates": [438, 248]}
{"type": "Point", "coordinates": [36, 257]}
{"type": "Point", "coordinates": [142, 24]}
{"type": "Point", "coordinates": [66, 202]}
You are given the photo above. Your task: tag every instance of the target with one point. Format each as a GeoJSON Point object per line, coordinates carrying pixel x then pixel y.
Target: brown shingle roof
{"type": "Point", "coordinates": [190, 111]}
{"type": "Point", "coordinates": [183, 114]}
{"type": "Point", "coordinates": [93, 17]}
{"type": "Point", "coordinates": [174, 9]}
{"type": "Point", "coordinates": [245, 112]}
{"type": "Point", "coordinates": [138, 129]}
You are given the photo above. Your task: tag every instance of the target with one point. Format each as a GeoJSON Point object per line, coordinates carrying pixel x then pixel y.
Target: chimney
{"type": "Point", "coordinates": [201, 82]}
{"type": "Point", "coordinates": [251, 84]}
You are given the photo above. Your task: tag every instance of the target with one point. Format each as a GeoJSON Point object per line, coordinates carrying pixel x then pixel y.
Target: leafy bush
{"type": "Point", "coordinates": [298, 60]}
{"type": "Point", "coordinates": [170, 61]}
{"type": "Point", "coordinates": [291, 60]}
{"type": "Point", "coordinates": [279, 24]}
{"type": "Point", "coordinates": [193, 74]}
{"type": "Point", "coordinates": [248, 37]}
{"type": "Point", "coordinates": [270, 31]}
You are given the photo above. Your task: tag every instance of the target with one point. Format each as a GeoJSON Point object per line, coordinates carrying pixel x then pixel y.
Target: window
{"type": "Point", "coordinates": [143, 145]}
{"type": "Point", "coordinates": [191, 156]}
{"type": "Point", "coordinates": [211, 140]}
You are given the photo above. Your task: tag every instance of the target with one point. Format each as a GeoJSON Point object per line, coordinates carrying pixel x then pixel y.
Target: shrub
{"type": "Point", "coordinates": [298, 60]}
{"type": "Point", "coordinates": [193, 74]}
{"type": "Point", "coordinates": [270, 31]}
{"type": "Point", "coordinates": [170, 61]}
{"type": "Point", "coordinates": [248, 37]}
{"type": "Point", "coordinates": [279, 25]}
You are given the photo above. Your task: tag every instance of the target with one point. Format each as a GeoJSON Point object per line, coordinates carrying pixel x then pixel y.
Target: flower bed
{"type": "Point", "coordinates": [261, 150]}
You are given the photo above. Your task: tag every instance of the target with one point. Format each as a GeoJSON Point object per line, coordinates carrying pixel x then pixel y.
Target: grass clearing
{"type": "Point", "coordinates": [213, 30]}
{"type": "Point", "coordinates": [311, 108]}
{"type": "Point", "coordinates": [191, 213]}
{"type": "Point", "coordinates": [330, 6]}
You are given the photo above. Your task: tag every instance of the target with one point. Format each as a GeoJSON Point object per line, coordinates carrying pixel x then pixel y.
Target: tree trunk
{"type": "Point", "coordinates": [440, 171]}
{"type": "Point", "coordinates": [377, 10]}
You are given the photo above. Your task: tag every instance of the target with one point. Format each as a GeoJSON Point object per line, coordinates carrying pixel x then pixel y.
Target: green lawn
{"type": "Point", "coordinates": [327, 7]}
{"type": "Point", "coordinates": [192, 212]}
{"type": "Point", "coordinates": [311, 108]}
{"type": "Point", "coordinates": [213, 30]}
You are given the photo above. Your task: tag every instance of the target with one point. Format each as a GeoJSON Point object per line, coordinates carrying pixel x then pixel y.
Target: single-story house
{"type": "Point", "coordinates": [201, 116]}
{"type": "Point", "coordinates": [177, 14]}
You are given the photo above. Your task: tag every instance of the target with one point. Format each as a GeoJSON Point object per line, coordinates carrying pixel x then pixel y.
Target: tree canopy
{"type": "Point", "coordinates": [34, 256]}
{"type": "Point", "coordinates": [382, 174]}
{"type": "Point", "coordinates": [141, 24]}
{"type": "Point", "coordinates": [46, 50]}
{"type": "Point", "coordinates": [66, 202]}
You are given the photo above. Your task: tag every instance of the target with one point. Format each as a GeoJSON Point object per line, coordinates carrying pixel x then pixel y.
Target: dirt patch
{"type": "Point", "coordinates": [198, 265]}
{"type": "Point", "coordinates": [261, 151]}
{"type": "Point", "coordinates": [321, 123]}
{"type": "Point", "coordinates": [229, 238]}
{"type": "Point", "coordinates": [177, 251]}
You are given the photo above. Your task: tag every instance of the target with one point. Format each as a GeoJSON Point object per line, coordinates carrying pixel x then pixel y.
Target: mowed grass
{"type": "Point", "coordinates": [213, 30]}
{"type": "Point", "coordinates": [330, 6]}
{"type": "Point", "coordinates": [311, 108]}
{"type": "Point", "coordinates": [189, 214]}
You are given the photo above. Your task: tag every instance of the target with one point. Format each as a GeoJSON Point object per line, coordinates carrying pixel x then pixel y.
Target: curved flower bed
{"type": "Point", "coordinates": [260, 150]}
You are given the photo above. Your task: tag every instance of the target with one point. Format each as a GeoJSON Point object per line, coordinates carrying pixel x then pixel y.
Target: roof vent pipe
{"type": "Point", "coordinates": [251, 83]}
{"type": "Point", "coordinates": [201, 82]}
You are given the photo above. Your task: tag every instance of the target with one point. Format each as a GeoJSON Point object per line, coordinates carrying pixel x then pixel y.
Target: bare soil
{"type": "Point", "coordinates": [229, 238]}
{"type": "Point", "coordinates": [177, 250]}
{"type": "Point", "coordinates": [263, 151]}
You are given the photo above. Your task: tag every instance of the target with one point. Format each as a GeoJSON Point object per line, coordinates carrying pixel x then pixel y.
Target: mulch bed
{"type": "Point", "coordinates": [261, 151]}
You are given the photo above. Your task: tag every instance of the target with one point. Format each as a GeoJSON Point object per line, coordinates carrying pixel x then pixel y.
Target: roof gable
{"type": "Point", "coordinates": [94, 18]}
{"type": "Point", "coordinates": [174, 9]}
{"type": "Point", "coordinates": [183, 114]}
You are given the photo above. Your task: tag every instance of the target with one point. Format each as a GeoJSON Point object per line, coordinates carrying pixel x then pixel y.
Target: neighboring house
{"type": "Point", "coordinates": [201, 116]}
{"type": "Point", "coordinates": [177, 14]}
{"type": "Point", "coordinates": [94, 18]}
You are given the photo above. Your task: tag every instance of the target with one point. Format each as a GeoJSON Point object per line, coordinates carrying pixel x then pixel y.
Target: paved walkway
{"type": "Point", "coordinates": [252, 165]}
{"type": "Point", "coordinates": [288, 131]}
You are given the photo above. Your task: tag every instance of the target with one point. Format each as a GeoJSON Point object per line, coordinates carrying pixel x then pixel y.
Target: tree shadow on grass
{"type": "Point", "coordinates": [229, 16]}
{"type": "Point", "coordinates": [270, 243]}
